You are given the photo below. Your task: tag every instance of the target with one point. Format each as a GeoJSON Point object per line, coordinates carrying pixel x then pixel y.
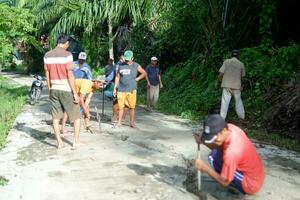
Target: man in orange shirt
{"type": "Point", "coordinates": [234, 160]}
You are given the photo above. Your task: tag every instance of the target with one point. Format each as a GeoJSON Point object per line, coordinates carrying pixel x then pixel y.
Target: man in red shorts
{"type": "Point", "coordinates": [234, 160]}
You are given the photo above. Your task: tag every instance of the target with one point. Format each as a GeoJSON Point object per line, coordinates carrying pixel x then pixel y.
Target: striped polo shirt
{"type": "Point", "coordinates": [57, 61]}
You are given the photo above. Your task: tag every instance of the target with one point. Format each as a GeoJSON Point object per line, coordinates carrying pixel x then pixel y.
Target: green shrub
{"type": "Point", "coordinates": [11, 103]}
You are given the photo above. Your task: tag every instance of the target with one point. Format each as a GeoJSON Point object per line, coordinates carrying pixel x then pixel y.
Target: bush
{"type": "Point", "coordinates": [11, 103]}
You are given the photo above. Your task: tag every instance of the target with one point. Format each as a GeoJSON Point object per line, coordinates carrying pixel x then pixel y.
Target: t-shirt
{"type": "Point", "coordinates": [83, 86]}
{"type": "Point", "coordinates": [128, 75]}
{"type": "Point", "coordinates": [82, 71]}
{"type": "Point", "coordinates": [57, 62]}
{"type": "Point", "coordinates": [240, 154]}
{"type": "Point", "coordinates": [153, 73]}
{"type": "Point", "coordinates": [233, 71]}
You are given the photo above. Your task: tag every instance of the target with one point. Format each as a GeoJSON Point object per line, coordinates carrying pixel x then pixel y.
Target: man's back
{"type": "Point", "coordinates": [240, 153]}
{"type": "Point", "coordinates": [233, 70]}
{"type": "Point", "coordinates": [56, 62]}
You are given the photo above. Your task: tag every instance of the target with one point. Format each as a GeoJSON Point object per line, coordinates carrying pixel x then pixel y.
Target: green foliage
{"type": "Point", "coordinates": [3, 181]}
{"type": "Point", "coordinates": [16, 27]}
{"type": "Point", "coordinates": [99, 71]}
{"type": "Point", "coordinates": [189, 87]}
{"type": "Point", "coordinates": [12, 100]}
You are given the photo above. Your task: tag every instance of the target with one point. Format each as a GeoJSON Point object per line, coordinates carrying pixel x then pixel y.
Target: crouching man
{"type": "Point", "coordinates": [233, 160]}
{"type": "Point", "coordinates": [85, 90]}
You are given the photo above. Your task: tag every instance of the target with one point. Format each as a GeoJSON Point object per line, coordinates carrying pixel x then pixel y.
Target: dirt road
{"type": "Point", "coordinates": [153, 161]}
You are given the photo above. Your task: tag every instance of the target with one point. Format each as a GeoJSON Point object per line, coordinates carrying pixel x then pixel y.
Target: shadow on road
{"type": "Point", "coordinates": [41, 136]}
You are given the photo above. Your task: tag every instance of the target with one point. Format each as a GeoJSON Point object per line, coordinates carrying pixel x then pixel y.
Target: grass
{"type": "Point", "coordinates": [12, 99]}
{"type": "Point", "coordinates": [3, 181]}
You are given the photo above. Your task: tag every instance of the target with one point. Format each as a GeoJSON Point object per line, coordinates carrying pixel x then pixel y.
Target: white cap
{"type": "Point", "coordinates": [82, 56]}
{"type": "Point", "coordinates": [154, 58]}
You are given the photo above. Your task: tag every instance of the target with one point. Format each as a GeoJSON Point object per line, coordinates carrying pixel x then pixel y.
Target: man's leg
{"type": "Point", "coordinates": [226, 97]}
{"type": "Point", "coordinates": [121, 112]}
{"type": "Point", "coordinates": [57, 111]}
{"type": "Point", "coordinates": [155, 95]}
{"type": "Point", "coordinates": [121, 102]}
{"type": "Point", "coordinates": [56, 128]}
{"type": "Point", "coordinates": [132, 115]}
{"type": "Point", "coordinates": [73, 111]}
{"type": "Point", "coordinates": [131, 100]}
{"type": "Point", "coordinates": [239, 107]}
{"type": "Point", "coordinates": [215, 159]}
{"type": "Point", "coordinates": [63, 123]}
{"type": "Point", "coordinates": [76, 132]}
{"type": "Point", "coordinates": [148, 97]}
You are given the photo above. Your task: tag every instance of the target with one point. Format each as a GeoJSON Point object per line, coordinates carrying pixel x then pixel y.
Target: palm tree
{"type": "Point", "coordinates": [69, 15]}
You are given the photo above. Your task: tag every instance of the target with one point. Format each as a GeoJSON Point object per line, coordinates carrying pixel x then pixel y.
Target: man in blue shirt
{"type": "Point", "coordinates": [154, 82]}
{"type": "Point", "coordinates": [81, 69]}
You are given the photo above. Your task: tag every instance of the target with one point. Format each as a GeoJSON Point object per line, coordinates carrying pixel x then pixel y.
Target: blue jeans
{"type": "Point", "coordinates": [215, 159]}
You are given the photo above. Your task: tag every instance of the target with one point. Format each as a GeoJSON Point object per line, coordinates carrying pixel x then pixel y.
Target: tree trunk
{"type": "Point", "coordinates": [110, 38]}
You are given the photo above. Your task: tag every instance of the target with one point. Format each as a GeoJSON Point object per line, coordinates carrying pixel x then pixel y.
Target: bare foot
{"type": "Point", "coordinates": [132, 125]}
{"type": "Point", "coordinates": [60, 145]}
{"type": "Point", "coordinates": [75, 145]}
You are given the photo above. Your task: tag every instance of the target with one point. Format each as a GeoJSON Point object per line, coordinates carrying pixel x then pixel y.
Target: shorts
{"type": "Point", "coordinates": [215, 159]}
{"type": "Point", "coordinates": [127, 99]}
{"type": "Point", "coordinates": [62, 101]}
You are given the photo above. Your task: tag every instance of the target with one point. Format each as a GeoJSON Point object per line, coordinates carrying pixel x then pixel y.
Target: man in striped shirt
{"type": "Point", "coordinates": [58, 65]}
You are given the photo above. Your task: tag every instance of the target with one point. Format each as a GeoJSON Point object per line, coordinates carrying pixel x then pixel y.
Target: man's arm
{"type": "Point", "coordinates": [142, 75]}
{"type": "Point", "coordinates": [47, 74]}
{"type": "Point", "coordinates": [83, 105]}
{"type": "Point", "coordinates": [117, 79]}
{"type": "Point", "coordinates": [160, 82]}
{"type": "Point", "coordinates": [200, 165]}
{"type": "Point", "coordinates": [71, 81]}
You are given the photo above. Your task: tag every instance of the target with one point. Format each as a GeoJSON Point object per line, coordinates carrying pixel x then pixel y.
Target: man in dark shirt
{"type": "Point", "coordinates": [126, 83]}
{"type": "Point", "coordinates": [154, 82]}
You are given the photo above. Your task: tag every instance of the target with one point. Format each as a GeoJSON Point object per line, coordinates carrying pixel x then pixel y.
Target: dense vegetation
{"type": "Point", "coordinates": [191, 39]}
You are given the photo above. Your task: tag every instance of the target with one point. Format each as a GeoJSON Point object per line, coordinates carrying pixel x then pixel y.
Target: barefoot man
{"type": "Point", "coordinates": [58, 65]}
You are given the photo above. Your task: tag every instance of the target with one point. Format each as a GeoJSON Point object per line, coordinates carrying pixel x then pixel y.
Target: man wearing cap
{"type": "Point", "coordinates": [234, 160]}
{"type": "Point", "coordinates": [154, 82]}
{"type": "Point", "coordinates": [58, 66]}
{"type": "Point", "coordinates": [231, 74]}
{"type": "Point", "coordinates": [85, 89]}
{"type": "Point", "coordinates": [81, 69]}
{"type": "Point", "coordinates": [126, 83]}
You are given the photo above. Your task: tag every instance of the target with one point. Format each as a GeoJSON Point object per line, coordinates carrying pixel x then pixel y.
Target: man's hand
{"type": "Point", "coordinates": [87, 114]}
{"type": "Point", "coordinates": [148, 84]}
{"type": "Point", "coordinates": [161, 86]}
{"type": "Point", "coordinates": [76, 98]}
{"type": "Point", "coordinates": [200, 165]}
{"type": "Point", "coordinates": [115, 92]}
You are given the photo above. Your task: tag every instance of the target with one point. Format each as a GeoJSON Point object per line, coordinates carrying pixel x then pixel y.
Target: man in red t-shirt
{"type": "Point", "coordinates": [234, 160]}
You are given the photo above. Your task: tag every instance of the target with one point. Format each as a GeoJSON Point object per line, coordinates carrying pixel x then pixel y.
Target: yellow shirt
{"type": "Point", "coordinates": [83, 86]}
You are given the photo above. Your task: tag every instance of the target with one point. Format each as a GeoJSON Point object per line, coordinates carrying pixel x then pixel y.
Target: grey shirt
{"type": "Point", "coordinates": [233, 71]}
{"type": "Point", "coordinates": [128, 75]}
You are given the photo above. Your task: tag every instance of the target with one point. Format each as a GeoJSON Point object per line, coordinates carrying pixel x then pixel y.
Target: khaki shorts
{"type": "Point", "coordinates": [62, 101]}
{"type": "Point", "coordinates": [127, 99]}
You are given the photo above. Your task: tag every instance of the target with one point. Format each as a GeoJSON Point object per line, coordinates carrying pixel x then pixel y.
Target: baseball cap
{"type": "Point", "coordinates": [82, 56]}
{"type": "Point", "coordinates": [154, 58]}
{"type": "Point", "coordinates": [235, 53]}
{"type": "Point", "coordinates": [213, 125]}
{"type": "Point", "coordinates": [128, 55]}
